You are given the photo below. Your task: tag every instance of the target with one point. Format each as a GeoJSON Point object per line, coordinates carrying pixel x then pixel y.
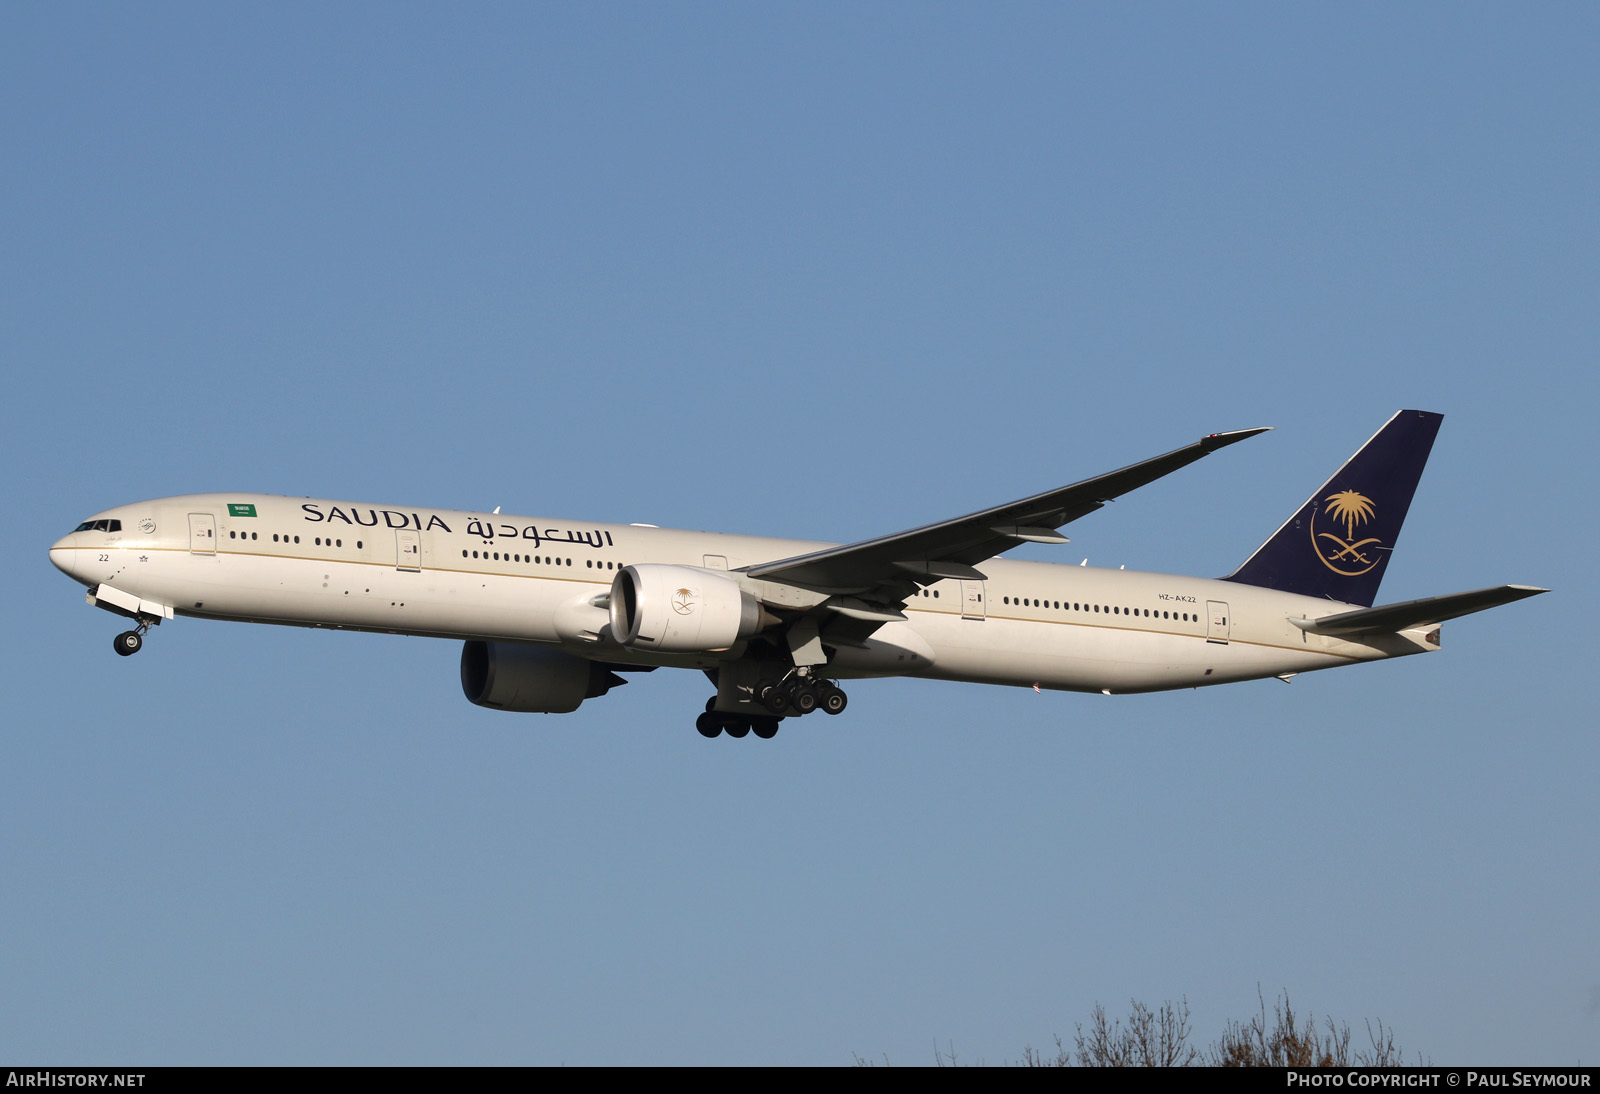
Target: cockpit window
{"type": "Point", "coordinates": [99, 526]}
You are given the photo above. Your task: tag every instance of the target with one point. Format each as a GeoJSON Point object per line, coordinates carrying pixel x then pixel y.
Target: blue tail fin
{"type": "Point", "coordinates": [1338, 544]}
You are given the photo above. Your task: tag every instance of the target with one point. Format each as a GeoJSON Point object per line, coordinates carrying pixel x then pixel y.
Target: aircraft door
{"type": "Point", "coordinates": [408, 551]}
{"type": "Point", "coordinates": [1216, 621]}
{"type": "Point", "coordinates": [202, 534]}
{"type": "Point", "coordinates": [972, 600]}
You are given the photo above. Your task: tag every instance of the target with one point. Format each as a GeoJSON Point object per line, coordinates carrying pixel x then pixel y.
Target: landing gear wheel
{"type": "Point", "coordinates": [738, 727]}
{"type": "Point", "coordinates": [804, 699]}
{"type": "Point", "coordinates": [772, 697]}
{"type": "Point", "coordinates": [708, 724]}
{"type": "Point", "coordinates": [127, 643]}
{"type": "Point", "coordinates": [765, 728]}
{"type": "Point", "coordinates": [833, 700]}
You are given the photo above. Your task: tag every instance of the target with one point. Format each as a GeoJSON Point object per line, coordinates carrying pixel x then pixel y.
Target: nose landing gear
{"type": "Point", "coordinates": [144, 613]}
{"type": "Point", "coordinates": [131, 642]}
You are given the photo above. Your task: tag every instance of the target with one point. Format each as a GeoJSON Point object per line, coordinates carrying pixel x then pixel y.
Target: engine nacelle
{"type": "Point", "coordinates": [679, 609]}
{"type": "Point", "coordinates": [530, 679]}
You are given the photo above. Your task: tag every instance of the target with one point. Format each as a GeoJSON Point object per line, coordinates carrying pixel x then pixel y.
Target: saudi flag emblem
{"type": "Point", "coordinates": [237, 510]}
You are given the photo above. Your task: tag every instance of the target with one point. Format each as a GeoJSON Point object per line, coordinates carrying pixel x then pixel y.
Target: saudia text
{"type": "Point", "coordinates": [486, 530]}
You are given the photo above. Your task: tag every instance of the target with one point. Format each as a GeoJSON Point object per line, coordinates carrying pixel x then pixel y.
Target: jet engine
{"type": "Point", "coordinates": [530, 679]}
{"type": "Point", "coordinates": [679, 609]}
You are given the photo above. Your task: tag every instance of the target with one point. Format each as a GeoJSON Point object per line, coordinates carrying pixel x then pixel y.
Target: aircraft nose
{"type": "Point", "coordinates": [62, 555]}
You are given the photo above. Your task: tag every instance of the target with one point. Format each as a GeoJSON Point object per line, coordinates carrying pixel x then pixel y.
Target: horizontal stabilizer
{"type": "Point", "coordinates": [1415, 613]}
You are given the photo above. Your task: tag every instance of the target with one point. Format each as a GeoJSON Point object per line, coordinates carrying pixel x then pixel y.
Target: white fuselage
{"type": "Point", "coordinates": [450, 574]}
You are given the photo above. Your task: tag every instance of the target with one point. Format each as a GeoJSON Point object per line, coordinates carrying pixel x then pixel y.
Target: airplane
{"type": "Point", "coordinates": [551, 612]}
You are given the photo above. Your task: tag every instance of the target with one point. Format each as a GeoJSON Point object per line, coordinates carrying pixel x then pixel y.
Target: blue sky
{"type": "Point", "coordinates": [823, 271]}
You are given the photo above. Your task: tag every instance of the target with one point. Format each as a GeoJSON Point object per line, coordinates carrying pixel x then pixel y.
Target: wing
{"type": "Point", "coordinates": [884, 570]}
{"type": "Point", "coordinates": [867, 583]}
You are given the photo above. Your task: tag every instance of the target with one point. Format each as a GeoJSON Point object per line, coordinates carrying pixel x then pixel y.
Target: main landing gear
{"type": "Point", "coordinates": [131, 642]}
{"type": "Point", "coordinates": [715, 722]}
{"type": "Point", "coordinates": [792, 696]}
{"type": "Point", "coordinates": [796, 694]}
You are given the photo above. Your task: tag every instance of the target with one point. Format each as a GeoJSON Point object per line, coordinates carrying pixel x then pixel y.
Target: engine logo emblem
{"type": "Point", "coordinates": [683, 601]}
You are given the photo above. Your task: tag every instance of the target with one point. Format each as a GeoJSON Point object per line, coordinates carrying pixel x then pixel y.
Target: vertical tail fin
{"type": "Point", "coordinates": [1338, 544]}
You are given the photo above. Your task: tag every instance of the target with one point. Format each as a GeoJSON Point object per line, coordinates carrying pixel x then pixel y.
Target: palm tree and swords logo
{"type": "Point", "coordinates": [1349, 556]}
